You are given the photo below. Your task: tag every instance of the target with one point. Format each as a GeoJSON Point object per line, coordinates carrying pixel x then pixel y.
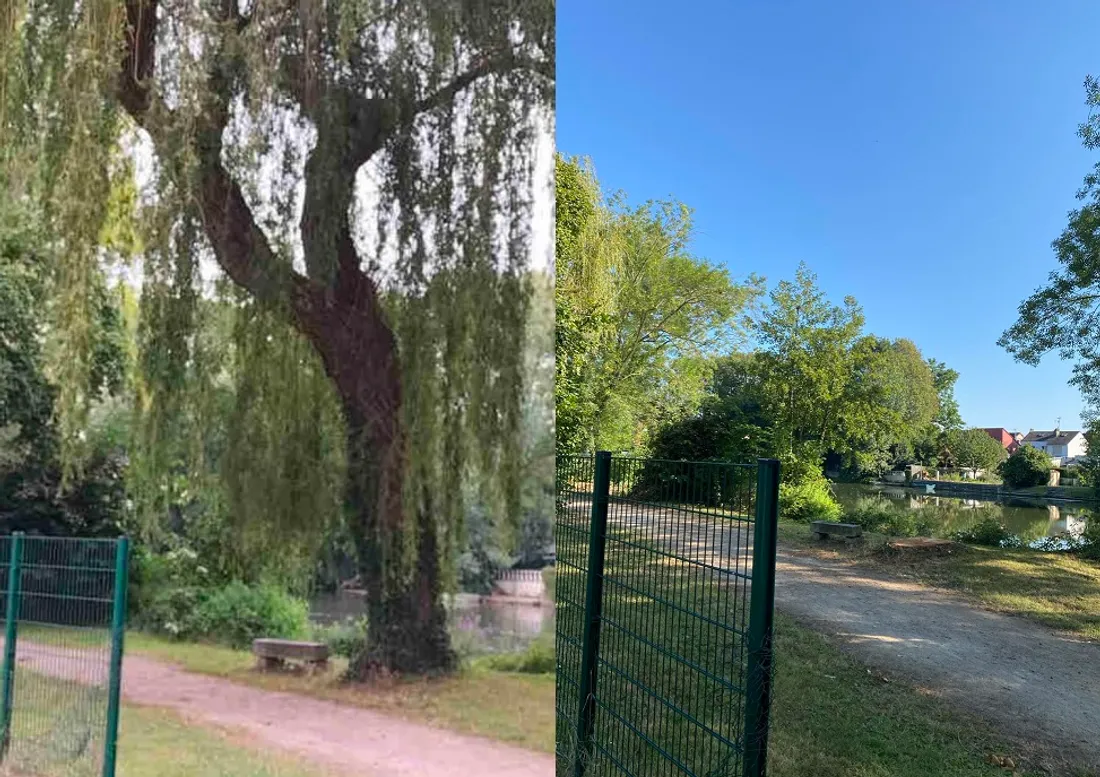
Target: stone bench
{"type": "Point", "coordinates": [824, 529]}
{"type": "Point", "coordinates": [275, 653]}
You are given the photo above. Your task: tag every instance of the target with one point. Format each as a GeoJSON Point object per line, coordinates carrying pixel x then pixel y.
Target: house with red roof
{"type": "Point", "coordinates": [1010, 441]}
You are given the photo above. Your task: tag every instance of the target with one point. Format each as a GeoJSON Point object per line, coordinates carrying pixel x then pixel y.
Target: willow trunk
{"type": "Point", "coordinates": [407, 621]}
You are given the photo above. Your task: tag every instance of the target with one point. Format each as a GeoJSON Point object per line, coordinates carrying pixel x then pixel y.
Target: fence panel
{"type": "Point", "coordinates": [681, 679]}
{"type": "Point", "coordinates": [64, 613]}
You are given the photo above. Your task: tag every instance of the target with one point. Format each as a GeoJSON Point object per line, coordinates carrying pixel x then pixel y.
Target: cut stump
{"type": "Point", "coordinates": [921, 544]}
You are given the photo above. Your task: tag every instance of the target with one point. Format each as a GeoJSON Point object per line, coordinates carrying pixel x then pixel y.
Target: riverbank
{"type": "Point", "coordinates": [995, 492]}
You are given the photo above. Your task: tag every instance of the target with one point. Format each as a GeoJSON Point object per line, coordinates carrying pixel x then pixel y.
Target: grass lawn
{"type": "Point", "coordinates": [1058, 590]}
{"type": "Point", "coordinates": [508, 706]}
{"type": "Point", "coordinates": [156, 743]}
{"type": "Point", "coordinates": [1069, 492]}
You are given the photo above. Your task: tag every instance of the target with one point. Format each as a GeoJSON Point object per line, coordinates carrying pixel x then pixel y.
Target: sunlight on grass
{"type": "Point", "coordinates": [831, 718]}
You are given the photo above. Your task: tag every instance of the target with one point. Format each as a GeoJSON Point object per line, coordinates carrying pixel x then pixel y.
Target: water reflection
{"type": "Point", "coordinates": [479, 624]}
{"type": "Point", "coordinates": [1038, 523]}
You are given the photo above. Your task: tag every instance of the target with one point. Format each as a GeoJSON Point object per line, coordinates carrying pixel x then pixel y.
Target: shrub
{"type": "Point", "coordinates": [347, 638]}
{"type": "Point", "coordinates": [1090, 539]}
{"type": "Point", "coordinates": [237, 614]}
{"type": "Point", "coordinates": [538, 658]}
{"type": "Point", "coordinates": [879, 514]}
{"type": "Point", "coordinates": [989, 532]}
{"type": "Point", "coordinates": [808, 500]}
{"type": "Point", "coordinates": [166, 589]}
{"type": "Point", "coordinates": [1026, 467]}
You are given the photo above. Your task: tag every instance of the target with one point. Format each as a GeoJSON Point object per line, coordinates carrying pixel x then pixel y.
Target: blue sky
{"type": "Point", "coordinates": [920, 156]}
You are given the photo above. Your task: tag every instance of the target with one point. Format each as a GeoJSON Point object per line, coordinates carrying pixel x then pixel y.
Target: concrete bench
{"type": "Point", "coordinates": [824, 529]}
{"type": "Point", "coordinates": [275, 653]}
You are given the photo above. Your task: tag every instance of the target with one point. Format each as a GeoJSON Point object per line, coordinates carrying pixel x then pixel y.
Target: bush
{"type": "Point", "coordinates": [166, 589]}
{"type": "Point", "coordinates": [237, 614]}
{"type": "Point", "coordinates": [1026, 467]}
{"type": "Point", "coordinates": [808, 500]}
{"type": "Point", "coordinates": [989, 532]}
{"type": "Point", "coordinates": [878, 514]}
{"type": "Point", "coordinates": [538, 658]}
{"type": "Point", "coordinates": [1090, 538]}
{"type": "Point", "coordinates": [347, 638]}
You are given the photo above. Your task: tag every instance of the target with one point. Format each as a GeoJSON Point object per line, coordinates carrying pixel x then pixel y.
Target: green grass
{"type": "Point", "coordinates": [156, 743]}
{"type": "Point", "coordinates": [53, 719]}
{"type": "Point", "coordinates": [1085, 493]}
{"type": "Point", "coordinates": [1059, 590]}
{"type": "Point", "coordinates": [831, 718]}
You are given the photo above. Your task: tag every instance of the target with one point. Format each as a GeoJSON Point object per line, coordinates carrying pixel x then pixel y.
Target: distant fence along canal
{"type": "Point", "coordinates": [995, 491]}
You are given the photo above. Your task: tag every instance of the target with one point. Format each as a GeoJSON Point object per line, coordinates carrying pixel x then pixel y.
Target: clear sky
{"type": "Point", "coordinates": [920, 155]}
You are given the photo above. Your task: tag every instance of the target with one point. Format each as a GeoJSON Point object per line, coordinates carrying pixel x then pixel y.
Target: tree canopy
{"type": "Point", "coordinates": [362, 173]}
{"type": "Point", "coordinates": [638, 314]}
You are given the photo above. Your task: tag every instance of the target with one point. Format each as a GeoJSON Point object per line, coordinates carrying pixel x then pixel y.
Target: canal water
{"type": "Point", "coordinates": [1030, 520]}
{"type": "Point", "coordinates": [479, 625]}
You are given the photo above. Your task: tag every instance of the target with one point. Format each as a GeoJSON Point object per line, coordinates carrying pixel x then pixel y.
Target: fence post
{"type": "Point", "coordinates": [593, 606]}
{"type": "Point", "coordinates": [118, 632]}
{"type": "Point", "coordinates": [11, 620]}
{"type": "Point", "coordinates": [761, 619]}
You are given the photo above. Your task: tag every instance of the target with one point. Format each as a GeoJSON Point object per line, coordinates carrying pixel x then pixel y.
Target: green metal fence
{"type": "Point", "coordinates": [665, 596]}
{"type": "Point", "coordinates": [64, 607]}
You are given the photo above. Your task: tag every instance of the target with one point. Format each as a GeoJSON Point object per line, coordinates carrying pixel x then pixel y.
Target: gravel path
{"type": "Point", "coordinates": [349, 739]}
{"type": "Point", "coordinates": [1036, 685]}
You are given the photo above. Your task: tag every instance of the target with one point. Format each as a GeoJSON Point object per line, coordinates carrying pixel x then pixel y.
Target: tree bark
{"type": "Point", "coordinates": [407, 622]}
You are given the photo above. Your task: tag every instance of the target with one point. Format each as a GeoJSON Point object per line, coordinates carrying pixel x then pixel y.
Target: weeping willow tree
{"type": "Point", "coordinates": [362, 171]}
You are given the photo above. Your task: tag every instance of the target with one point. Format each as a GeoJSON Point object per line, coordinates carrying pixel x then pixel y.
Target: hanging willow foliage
{"type": "Point", "coordinates": [363, 172]}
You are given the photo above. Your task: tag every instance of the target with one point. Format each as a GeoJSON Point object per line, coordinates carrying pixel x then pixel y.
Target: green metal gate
{"type": "Point", "coordinates": [64, 609]}
{"type": "Point", "coordinates": [665, 597]}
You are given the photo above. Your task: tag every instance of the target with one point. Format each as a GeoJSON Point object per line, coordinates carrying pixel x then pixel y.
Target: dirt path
{"type": "Point", "coordinates": [1036, 685]}
{"type": "Point", "coordinates": [349, 739]}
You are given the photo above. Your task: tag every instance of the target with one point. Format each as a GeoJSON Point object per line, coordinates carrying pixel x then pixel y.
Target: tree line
{"type": "Point", "coordinates": [666, 354]}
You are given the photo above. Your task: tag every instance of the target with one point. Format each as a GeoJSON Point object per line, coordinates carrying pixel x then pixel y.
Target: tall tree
{"type": "Point", "coordinates": [806, 351]}
{"type": "Point", "coordinates": [361, 170]}
{"type": "Point", "coordinates": [944, 379]}
{"type": "Point", "coordinates": [657, 309]}
{"type": "Point", "coordinates": [974, 449]}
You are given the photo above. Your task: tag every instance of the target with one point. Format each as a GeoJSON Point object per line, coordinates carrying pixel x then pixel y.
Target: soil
{"type": "Point", "coordinates": [338, 737]}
